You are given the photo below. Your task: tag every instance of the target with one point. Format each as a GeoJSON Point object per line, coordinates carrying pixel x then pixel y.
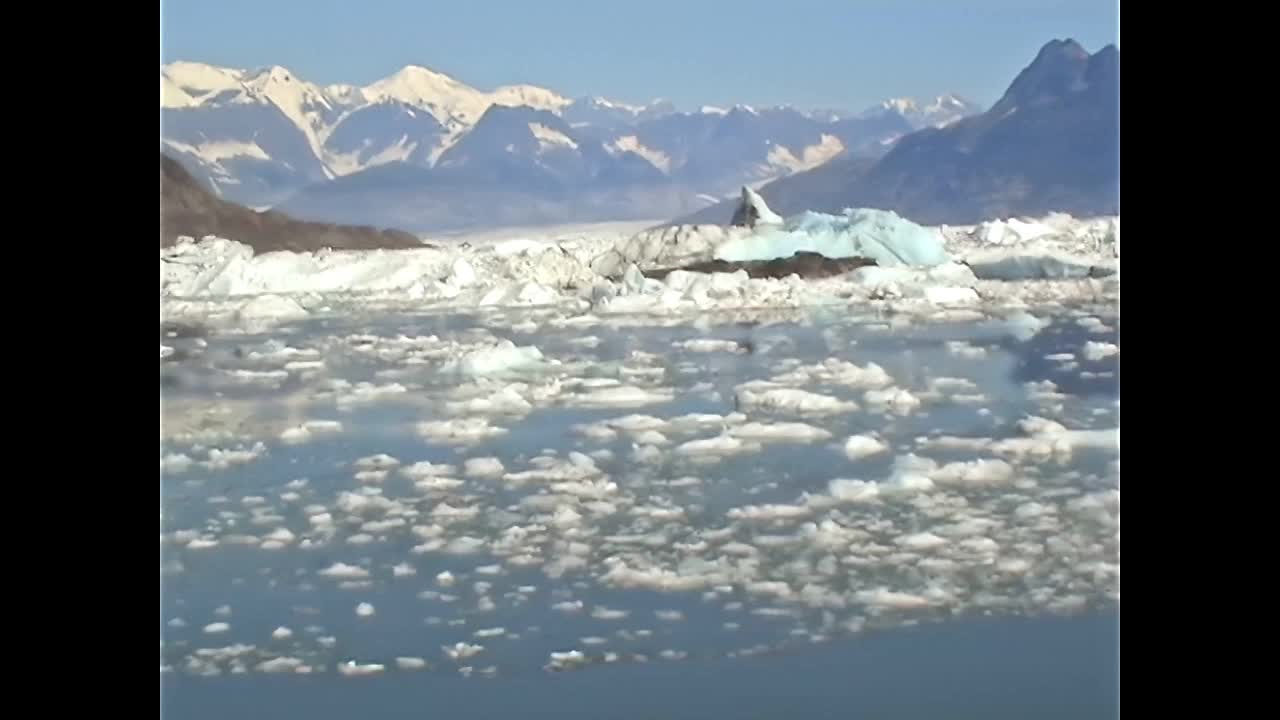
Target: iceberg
{"type": "Point", "coordinates": [753, 211]}
{"type": "Point", "coordinates": [879, 235]}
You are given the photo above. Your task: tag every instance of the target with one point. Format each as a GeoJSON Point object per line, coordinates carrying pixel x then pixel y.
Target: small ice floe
{"type": "Point", "coordinates": [858, 447]}
{"type": "Point", "coordinates": [411, 663]}
{"type": "Point", "coordinates": [461, 650]}
{"type": "Point", "coordinates": [351, 668]}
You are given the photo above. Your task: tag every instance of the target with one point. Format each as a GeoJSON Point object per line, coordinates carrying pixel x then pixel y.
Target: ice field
{"type": "Point", "coordinates": [507, 461]}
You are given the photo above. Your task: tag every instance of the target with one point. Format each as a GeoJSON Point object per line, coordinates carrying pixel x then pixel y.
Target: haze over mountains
{"type": "Point", "coordinates": [423, 151]}
{"type": "Point", "coordinates": [1050, 144]}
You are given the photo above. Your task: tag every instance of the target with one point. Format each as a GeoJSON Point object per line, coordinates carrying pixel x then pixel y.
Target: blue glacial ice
{"type": "Point", "coordinates": [881, 235]}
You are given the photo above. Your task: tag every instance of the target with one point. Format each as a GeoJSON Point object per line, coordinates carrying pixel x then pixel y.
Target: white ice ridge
{"type": "Point", "coordinates": [222, 282]}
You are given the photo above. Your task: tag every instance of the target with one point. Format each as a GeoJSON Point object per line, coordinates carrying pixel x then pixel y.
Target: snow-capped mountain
{"type": "Point", "coordinates": [262, 137]}
{"type": "Point", "coordinates": [938, 112]}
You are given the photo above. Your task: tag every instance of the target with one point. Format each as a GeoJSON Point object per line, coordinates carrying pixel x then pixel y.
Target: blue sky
{"type": "Point", "coordinates": [809, 53]}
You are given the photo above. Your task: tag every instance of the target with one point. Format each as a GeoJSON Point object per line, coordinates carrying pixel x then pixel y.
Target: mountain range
{"type": "Point", "coordinates": [1050, 144]}
{"type": "Point", "coordinates": [422, 151]}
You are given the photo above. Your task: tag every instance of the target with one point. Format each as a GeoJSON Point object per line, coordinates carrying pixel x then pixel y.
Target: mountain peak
{"type": "Point", "coordinates": [1057, 71]}
{"type": "Point", "coordinates": [274, 73]}
{"type": "Point", "coordinates": [1066, 48]}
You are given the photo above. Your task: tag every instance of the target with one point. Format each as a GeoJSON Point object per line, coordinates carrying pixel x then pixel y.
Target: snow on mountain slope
{"type": "Point", "coordinates": [630, 143]}
{"type": "Point", "coordinates": [381, 132]}
{"type": "Point", "coordinates": [939, 112]}
{"type": "Point", "coordinates": [811, 157]}
{"type": "Point", "coordinates": [302, 102]}
{"type": "Point", "coordinates": [218, 150]}
{"type": "Point", "coordinates": [530, 96]}
{"type": "Point", "coordinates": [549, 138]}
{"type": "Point", "coordinates": [172, 96]}
{"type": "Point", "coordinates": [200, 80]}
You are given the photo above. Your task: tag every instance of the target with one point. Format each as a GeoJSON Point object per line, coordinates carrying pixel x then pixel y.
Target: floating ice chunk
{"type": "Point", "coordinates": [351, 668]}
{"type": "Point", "coordinates": [175, 463]}
{"type": "Point", "coordinates": [503, 358]}
{"type": "Point", "coordinates": [445, 510]}
{"type": "Point", "coordinates": [624, 396]}
{"type": "Point", "coordinates": [565, 660]}
{"type": "Point", "coordinates": [709, 345]}
{"type": "Point", "coordinates": [490, 632]}
{"type": "Point", "coordinates": [343, 571]}
{"type": "Point", "coordinates": [899, 399]}
{"type": "Point", "coordinates": [1096, 351]}
{"type": "Point", "coordinates": [220, 459]}
{"type": "Point", "coordinates": [604, 613]}
{"type": "Point", "coordinates": [217, 628]}
{"type": "Point", "coordinates": [651, 438]}
{"type": "Point", "coordinates": [720, 445]}
{"type": "Point", "coordinates": [769, 512]}
{"type": "Point", "coordinates": [794, 400]}
{"type": "Point", "coordinates": [381, 461]}
{"type": "Point", "coordinates": [281, 633]}
{"type": "Point", "coordinates": [364, 609]}
{"type": "Point", "coordinates": [308, 430]}
{"type": "Point", "coordinates": [424, 469]}
{"type": "Point", "coordinates": [281, 536]}
{"type": "Point", "coordinates": [365, 393]}
{"type": "Point", "coordinates": [462, 431]}
{"type": "Point", "coordinates": [858, 447]}
{"type": "Point", "coordinates": [885, 598]}
{"type": "Point", "coordinates": [411, 663]}
{"type": "Point", "coordinates": [979, 473]}
{"type": "Point", "coordinates": [853, 490]}
{"type": "Point", "coordinates": [921, 541]}
{"type": "Point", "coordinates": [965, 349]}
{"type": "Point", "coordinates": [1024, 326]}
{"type": "Point", "coordinates": [876, 234]}
{"type": "Point", "coordinates": [445, 579]}
{"type": "Point", "coordinates": [371, 476]}
{"type": "Point", "coordinates": [669, 615]}
{"type": "Point", "coordinates": [903, 483]}
{"type": "Point", "coordinates": [461, 650]}
{"type": "Point", "coordinates": [404, 569]}
{"type": "Point", "coordinates": [483, 467]}
{"type": "Point", "coordinates": [797, 431]}
{"type": "Point", "coordinates": [279, 665]}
